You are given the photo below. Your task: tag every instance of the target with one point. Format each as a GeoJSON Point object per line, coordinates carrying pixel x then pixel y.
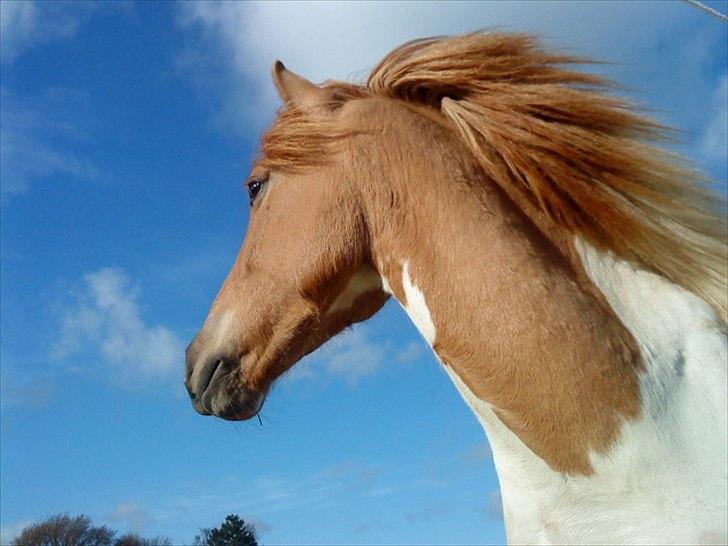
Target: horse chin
{"type": "Point", "coordinates": [240, 412]}
{"type": "Point", "coordinates": [237, 404]}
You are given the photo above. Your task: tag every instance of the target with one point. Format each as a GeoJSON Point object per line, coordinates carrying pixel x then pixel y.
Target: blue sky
{"type": "Point", "coordinates": [126, 130]}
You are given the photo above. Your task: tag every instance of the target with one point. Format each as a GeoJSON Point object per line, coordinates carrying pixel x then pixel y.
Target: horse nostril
{"type": "Point", "coordinates": [191, 394]}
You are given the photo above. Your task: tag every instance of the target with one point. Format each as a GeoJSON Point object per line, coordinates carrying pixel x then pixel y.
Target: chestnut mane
{"type": "Point", "coordinates": [584, 161]}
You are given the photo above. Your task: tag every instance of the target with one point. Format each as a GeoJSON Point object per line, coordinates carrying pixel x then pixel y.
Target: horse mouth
{"type": "Point", "coordinates": [238, 404]}
{"type": "Point", "coordinates": [206, 382]}
{"type": "Point", "coordinates": [223, 396]}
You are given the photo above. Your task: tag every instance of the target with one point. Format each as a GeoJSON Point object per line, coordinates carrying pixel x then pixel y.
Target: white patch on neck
{"type": "Point", "coordinates": [416, 307]}
{"type": "Point", "coordinates": [523, 476]}
{"type": "Point", "coordinates": [386, 286]}
{"type": "Point", "coordinates": [664, 481]}
{"type": "Point", "coordinates": [364, 280]}
{"type": "Point", "coordinates": [677, 454]}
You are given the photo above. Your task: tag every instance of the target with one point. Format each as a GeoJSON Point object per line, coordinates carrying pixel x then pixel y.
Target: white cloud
{"type": "Point", "coordinates": [409, 353]}
{"type": "Point", "coordinates": [25, 23]}
{"type": "Point", "coordinates": [351, 356]}
{"type": "Point", "coordinates": [715, 138]}
{"type": "Point", "coordinates": [17, 25]}
{"type": "Point", "coordinates": [344, 40]}
{"type": "Point", "coordinates": [38, 142]}
{"type": "Point", "coordinates": [132, 515]}
{"type": "Point", "coordinates": [105, 324]}
{"type": "Point", "coordinates": [354, 356]}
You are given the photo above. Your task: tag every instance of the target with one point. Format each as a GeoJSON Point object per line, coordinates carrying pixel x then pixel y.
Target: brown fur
{"type": "Point", "coordinates": [550, 138]}
{"type": "Point", "coordinates": [514, 318]}
{"type": "Point", "coordinates": [476, 159]}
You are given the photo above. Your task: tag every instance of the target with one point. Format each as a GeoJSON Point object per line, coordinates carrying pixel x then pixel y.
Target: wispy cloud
{"type": "Point", "coordinates": [132, 515]}
{"type": "Point", "coordinates": [409, 353]}
{"type": "Point", "coordinates": [25, 24]}
{"type": "Point", "coordinates": [104, 324]}
{"type": "Point", "coordinates": [350, 356]}
{"type": "Point", "coordinates": [269, 500]}
{"type": "Point", "coordinates": [41, 135]}
{"type": "Point", "coordinates": [353, 355]}
{"type": "Point", "coordinates": [40, 142]}
{"type": "Point", "coordinates": [265, 496]}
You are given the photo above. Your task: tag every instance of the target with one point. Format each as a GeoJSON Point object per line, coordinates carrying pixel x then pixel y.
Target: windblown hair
{"type": "Point", "coordinates": [298, 140]}
{"type": "Point", "coordinates": [584, 160]}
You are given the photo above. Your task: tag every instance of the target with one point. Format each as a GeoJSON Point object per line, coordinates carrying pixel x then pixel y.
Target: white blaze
{"type": "Point", "coordinates": [416, 307]}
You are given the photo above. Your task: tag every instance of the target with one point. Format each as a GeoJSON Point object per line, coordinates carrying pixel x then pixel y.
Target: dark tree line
{"type": "Point", "coordinates": [233, 532]}
{"type": "Point", "coordinates": [64, 530]}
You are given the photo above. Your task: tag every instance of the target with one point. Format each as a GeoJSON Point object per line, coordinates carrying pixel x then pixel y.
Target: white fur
{"type": "Point", "coordinates": [218, 332]}
{"type": "Point", "coordinates": [668, 474]}
{"type": "Point", "coordinates": [221, 328]}
{"type": "Point", "coordinates": [364, 280]}
{"type": "Point", "coordinates": [664, 482]}
{"type": "Point", "coordinates": [386, 286]}
{"type": "Point", "coordinates": [416, 307]}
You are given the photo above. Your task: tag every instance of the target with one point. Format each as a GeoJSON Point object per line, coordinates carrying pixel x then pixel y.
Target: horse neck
{"type": "Point", "coordinates": [546, 362]}
{"type": "Point", "coordinates": [507, 313]}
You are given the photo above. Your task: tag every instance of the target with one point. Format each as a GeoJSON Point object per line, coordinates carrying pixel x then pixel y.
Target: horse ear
{"type": "Point", "coordinates": [299, 91]}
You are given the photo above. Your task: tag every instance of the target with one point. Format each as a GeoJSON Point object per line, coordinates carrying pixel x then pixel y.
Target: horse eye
{"type": "Point", "coordinates": [254, 187]}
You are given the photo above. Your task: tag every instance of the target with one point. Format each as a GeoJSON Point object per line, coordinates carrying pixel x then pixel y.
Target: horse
{"type": "Point", "coordinates": [568, 272]}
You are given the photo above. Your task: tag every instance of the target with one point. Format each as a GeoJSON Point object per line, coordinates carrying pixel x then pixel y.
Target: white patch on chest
{"type": "Point", "coordinates": [672, 465]}
{"type": "Point", "coordinates": [416, 307]}
{"type": "Point", "coordinates": [664, 481]}
{"type": "Point", "coordinates": [364, 280]}
{"type": "Point", "coordinates": [526, 481]}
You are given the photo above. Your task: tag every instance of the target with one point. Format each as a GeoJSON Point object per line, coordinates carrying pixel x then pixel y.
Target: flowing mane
{"type": "Point", "coordinates": [516, 212]}
{"type": "Point", "coordinates": [583, 161]}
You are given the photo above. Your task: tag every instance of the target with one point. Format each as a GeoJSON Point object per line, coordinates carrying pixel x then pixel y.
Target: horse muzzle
{"type": "Point", "coordinates": [216, 388]}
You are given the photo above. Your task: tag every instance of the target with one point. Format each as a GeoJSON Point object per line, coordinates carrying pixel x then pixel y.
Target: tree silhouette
{"type": "Point", "coordinates": [63, 530]}
{"type": "Point", "coordinates": [234, 531]}
{"type": "Point", "coordinates": [131, 539]}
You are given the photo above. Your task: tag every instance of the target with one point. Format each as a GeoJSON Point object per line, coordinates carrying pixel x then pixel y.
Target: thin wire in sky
{"type": "Point", "coordinates": [708, 9]}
